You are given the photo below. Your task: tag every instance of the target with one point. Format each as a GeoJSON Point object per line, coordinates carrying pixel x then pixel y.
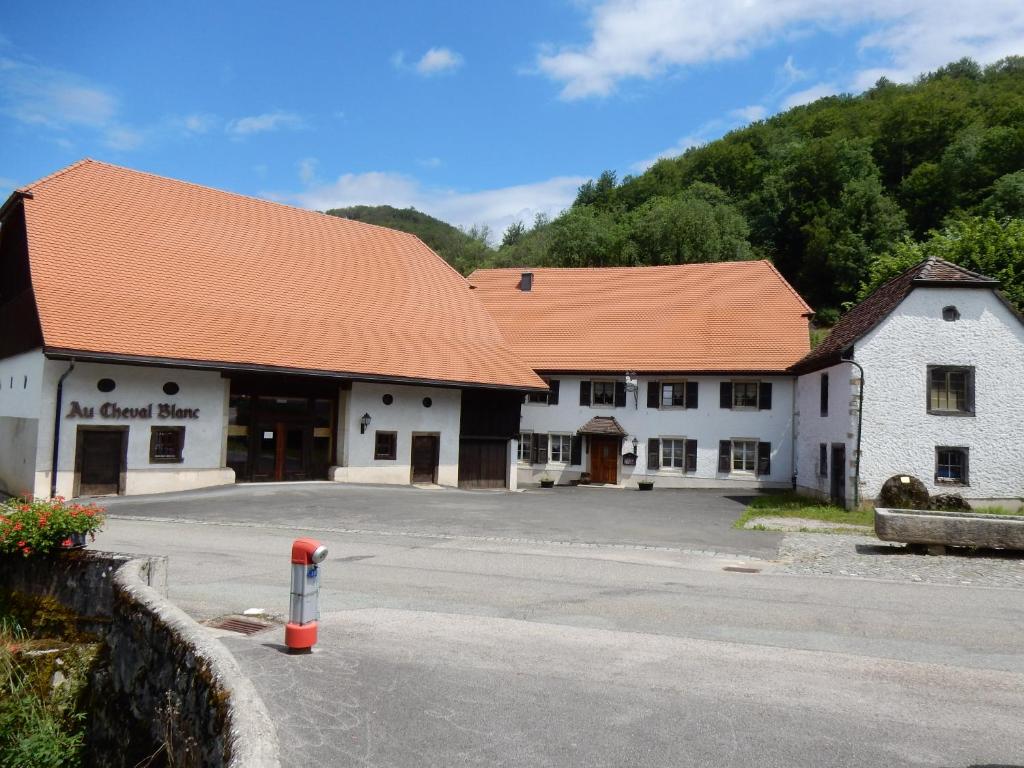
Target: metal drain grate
{"type": "Point", "coordinates": [740, 569]}
{"type": "Point", "coordinates": [241, 626]}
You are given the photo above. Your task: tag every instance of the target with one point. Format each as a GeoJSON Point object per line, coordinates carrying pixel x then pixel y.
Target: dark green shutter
{"type": "Point", "coordinates": [969, 389]}
{"type": "Point", "coordinates": [584, 393]}
{"type": "Point", "coordinates": [653, 394]}
{"type": "Point", "coordinates": [540, 445]}
{"type": "Point", "coordinates": [691, 394]}
{"type": "Point", "coordinates": [764, 458]}
{"type": "Point", "coordinates": [725, 395]}
{"type": "Point", "coordinates": [553, 397]}
{"type": "Point", "coordinates": [691, 455]}
{"type": "Point", "coordinates": [576, 452]}
{"type": "Point", "coordinates": [620, 394]}
{"type": "Point", "coordinates": [653, 453]}
{"type": "Point", "coordinates": [724, 456]}
{"type": "Point", "coordinates": [533, 450]}
{"type": "Point", "coordinates": [823, 460]}
{"type": "Point", "coordinates": [764, 397]}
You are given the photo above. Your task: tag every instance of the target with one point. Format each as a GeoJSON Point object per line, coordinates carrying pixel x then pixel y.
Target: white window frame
{"type": "Point", "coordinates": [564, 448]}
{"type": "Point", "coordinates": [681, 441]}
{"type": "Point", "coordinates": [593, 393]}
{"type": "Point", "coordinates": [736, 442]}
{"type": "Point", "coordinates": [661, 394]}
{"type": "Point", "coordinates": [524, 456]}
{"type": "Point", "coordinates": [757, 395]}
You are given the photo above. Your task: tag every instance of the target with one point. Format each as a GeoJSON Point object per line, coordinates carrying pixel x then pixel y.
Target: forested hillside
{"type": "Point", "coordinates": [834, 192]}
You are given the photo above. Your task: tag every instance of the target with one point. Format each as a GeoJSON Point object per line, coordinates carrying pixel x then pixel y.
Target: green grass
{"type": "Point", "coordinates": [795, 505]}
{"type": "Point", "coordinates": [997, 511]}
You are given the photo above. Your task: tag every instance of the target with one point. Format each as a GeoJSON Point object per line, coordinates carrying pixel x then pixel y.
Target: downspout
{"type": "Point", "coordinates": [56, 427]}
{"type": "Point", "coordinates": [860, 421]}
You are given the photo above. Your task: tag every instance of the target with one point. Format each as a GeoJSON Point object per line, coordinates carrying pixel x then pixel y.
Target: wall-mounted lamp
{"type": "Point", "coordinates": [364, 423]}
{"type": "Point", "coordinates": [635, 444]}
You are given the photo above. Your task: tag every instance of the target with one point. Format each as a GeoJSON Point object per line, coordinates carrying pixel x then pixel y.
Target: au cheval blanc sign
{"type": "Point", "coordinates": [114, 411]}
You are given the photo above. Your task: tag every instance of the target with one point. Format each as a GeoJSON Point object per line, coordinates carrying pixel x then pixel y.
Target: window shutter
{"type": "Point", "coordinates": [725, 395]}
{"type": "Point", "coordinates": [691, 455]}
{"type": "Point", "coordinates": [823, 459]}
{"type": "Point", "coordinates": [540, 448]}
{"type": "Point", "coordinates": [576, 452]}
{"type": "Point", "coordinates": [724, 456]}
{"type": "Point", "coordinates": [620, 394]}
{"type": "Point", "coordinates": [553, 397]}
{"type": "Point", "coordinates": [653, 453]}
{"type": "Point", "coordinates": [584, 393]}
{"type": "Point", "coordinates": [653, 394]}
{"type": "Point", "coordinates": [969, 387]}
{"type": "Point", "coordinates": [691, 394]}
{"type": "Point", "coordinates": [764, 458]}
{"type": "Point", "coordinates": [764, 397]}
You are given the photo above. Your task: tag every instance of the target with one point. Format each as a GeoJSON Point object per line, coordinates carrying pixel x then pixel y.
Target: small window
{"type": "Point", "coordinates": [744, 455]}
{"type": "Point", "coordinates": [951, 465]}
{"type": "Point", "coordinates": [602, 393]}
{"type": "Point", "coordinates": [824, 394]}
{"type": "Point", "coordinates": [561, 448]}
{"type": "Point", "coordinates": [385, 446]}
{"type": "Point", "coordinates": [525, 447]}
{"type": "Point", "coordinates": [546, 398]}
{"type": "Point", "coordinates": [673, 452]}
{"type": "Point", "coordinates": [106, 385]}
{"type": "Point", "coordinates": [388, 399]}
{"type": "Point", "coordinates": [950, 389]}
{"type": "Point", "coordinates": [950, 314]}
{"type": "Point", "coordinates": [823, 459]}
{"type": "Point", "coordinates": [744, 394]}
{"type": "Point", "coordinates": [166, 445]}
{"type": "Point", "coordinates": [171, 388]}
{"type": "Point", "coordinates": [673, 394]}
{"type": "Point", "coordinates": [427, 402]}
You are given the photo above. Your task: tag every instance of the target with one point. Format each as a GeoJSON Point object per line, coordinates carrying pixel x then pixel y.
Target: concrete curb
{"type": "Point", "coordinates": [252, 737]}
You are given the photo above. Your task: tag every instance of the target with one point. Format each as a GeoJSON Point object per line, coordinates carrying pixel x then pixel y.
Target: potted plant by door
{"type": "Point", "coordinates": [546, 482]}
{"type": "Point", "coordinates": [647, 484]}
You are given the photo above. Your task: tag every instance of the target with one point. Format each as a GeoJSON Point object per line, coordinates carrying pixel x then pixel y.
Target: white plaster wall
{"type": "Point", "coordinates": [406, 415]}
{"type": "Point", "coordinates": [137, 386]}
{"type": "Point", "coordinates": [839, 426]}
{"type": "Point", "coordinates": [707, 424]}
{"type": "Point", "coordinates": [900, 436]}
{"type": "Point", "coordinates": [20, 401]}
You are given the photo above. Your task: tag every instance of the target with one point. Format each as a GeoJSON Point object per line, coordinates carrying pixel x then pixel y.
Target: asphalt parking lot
{"type": "Point", "coordinates": [691, 520]}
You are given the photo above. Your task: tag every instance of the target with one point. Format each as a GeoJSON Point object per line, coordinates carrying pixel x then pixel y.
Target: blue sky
{"type": "Point", "coordinates": [479, 113]}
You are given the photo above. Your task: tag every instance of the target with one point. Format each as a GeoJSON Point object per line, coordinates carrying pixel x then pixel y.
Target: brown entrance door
{"type": "Point", "coordinates": [100, 460]}
{"type": "Point", "coordinates": [425, 450]}
{"type": "Point", "coordinates": [839, 475]}
{"type": "Point", "coordinates": [483, 463]}
{"type": "Point", "coordinates": [604, 460]}
{"type": "Point", "coordinates": [282, 452]}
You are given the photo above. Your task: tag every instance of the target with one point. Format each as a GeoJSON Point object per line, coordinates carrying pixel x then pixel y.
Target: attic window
{"type": "Point", "coordinates": [950, 314]}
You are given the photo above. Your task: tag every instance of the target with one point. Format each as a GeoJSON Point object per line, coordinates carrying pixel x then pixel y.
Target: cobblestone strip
{"type": "Point", "coordinates": [816, 554]}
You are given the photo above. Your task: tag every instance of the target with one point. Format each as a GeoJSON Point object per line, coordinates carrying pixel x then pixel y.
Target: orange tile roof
{"type": "Point", "coordinates": [128, 263]}
{"type": "Point", "coordinates": [721, 317]}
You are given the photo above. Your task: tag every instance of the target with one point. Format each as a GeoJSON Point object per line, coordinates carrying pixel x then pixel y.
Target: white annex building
{"type": "Point", "coordinates": [158, 335]}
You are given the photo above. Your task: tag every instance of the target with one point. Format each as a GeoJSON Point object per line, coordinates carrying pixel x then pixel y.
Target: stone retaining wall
{"type": "Point", "coordinates": [162, 681]}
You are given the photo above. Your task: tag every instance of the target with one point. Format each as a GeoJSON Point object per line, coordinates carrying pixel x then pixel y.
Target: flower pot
{"type": "Point", "coordinates": [645, 485]}
{"type": "Point", "coordinates": [75, 541]}
{"type": "Point", "coordinates": [547, 483]}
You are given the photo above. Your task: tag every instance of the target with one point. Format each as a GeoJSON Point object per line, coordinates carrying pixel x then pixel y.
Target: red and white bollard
{"type": "Point", "coordinates": [304, 604]}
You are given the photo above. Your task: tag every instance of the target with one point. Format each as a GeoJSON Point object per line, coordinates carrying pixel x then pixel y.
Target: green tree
{"type": "Point", "coordinates": [513, 234]}
{"type": "Point", "coordinates": [585, 236]}
{"type": "Point", "coordinates": [982, 244]}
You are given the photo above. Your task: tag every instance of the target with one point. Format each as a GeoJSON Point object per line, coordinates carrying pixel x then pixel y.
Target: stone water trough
{"type": "Point", "coordinates": [950, 529]}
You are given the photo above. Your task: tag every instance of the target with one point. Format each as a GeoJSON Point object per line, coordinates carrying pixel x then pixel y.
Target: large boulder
{"type": "Point", "coordinates": [950, 502]}
{"type": "Point", "coordinates": [904, 492]}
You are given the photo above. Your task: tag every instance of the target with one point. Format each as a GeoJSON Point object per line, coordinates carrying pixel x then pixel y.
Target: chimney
{"type": "Point", "coordinates": [526, 282]}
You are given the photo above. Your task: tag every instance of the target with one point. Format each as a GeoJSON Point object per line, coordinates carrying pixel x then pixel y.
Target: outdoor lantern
{"type": "Point", "coordinates": [635, 443]}
{"type": "Point", "coordinates": [364, 423]}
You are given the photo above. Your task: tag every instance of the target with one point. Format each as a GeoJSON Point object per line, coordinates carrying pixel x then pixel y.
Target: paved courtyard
{"type": "Point", "coordinates": [587, 627]}
{"type": "Point", "coordinates": [692, 520]}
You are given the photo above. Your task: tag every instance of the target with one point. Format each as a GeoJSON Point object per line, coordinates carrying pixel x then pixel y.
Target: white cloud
{"type": "Point", "coordinates": [124, 139]}
{"type": "Point", "coordinates": [53, 98]}
{"type": "Point", "coordinates": [494, 208]}
{"type": "Point", "coordinates": [648, 38]}
{"type": "Point", "coordinates": [438, 60]}
{"type": "Point", "coordinates": [806, 96]}
{"type": "Point", "coordinates": [268, 121]}
{"type": "Point", "coordinates": [750, 114]}
{"type": "Point", "coordinates": [307, 169]}
{"type": "Point", "coordinates": [430, 162]}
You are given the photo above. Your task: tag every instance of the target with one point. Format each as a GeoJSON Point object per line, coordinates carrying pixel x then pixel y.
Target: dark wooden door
{"type": "Point", "coordinates": [838, 478]}
{"type": "Point", "coordinates": [101, 455]}
{"type": "Point", "coordinates": [424, 458]}
{"type": "Point", "coordinates": [604, 460]}
{"type": "Point", "coordinates": [483, 463]}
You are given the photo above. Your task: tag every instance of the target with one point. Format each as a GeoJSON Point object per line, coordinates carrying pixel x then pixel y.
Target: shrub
{"type": "Point", "coordinates": [41, 525]}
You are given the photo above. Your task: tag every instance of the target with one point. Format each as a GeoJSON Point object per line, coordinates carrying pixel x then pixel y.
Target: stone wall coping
{"type": "Point", "coordinates": [253, 737]}
{"type": "Point", "coordinates": [1013, 519]}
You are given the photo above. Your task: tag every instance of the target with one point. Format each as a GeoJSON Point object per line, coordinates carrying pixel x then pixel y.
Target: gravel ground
{"type": "Point", "coordinates": [830, 554]}
{"type": "Point", "coordinates": [800, 524]}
